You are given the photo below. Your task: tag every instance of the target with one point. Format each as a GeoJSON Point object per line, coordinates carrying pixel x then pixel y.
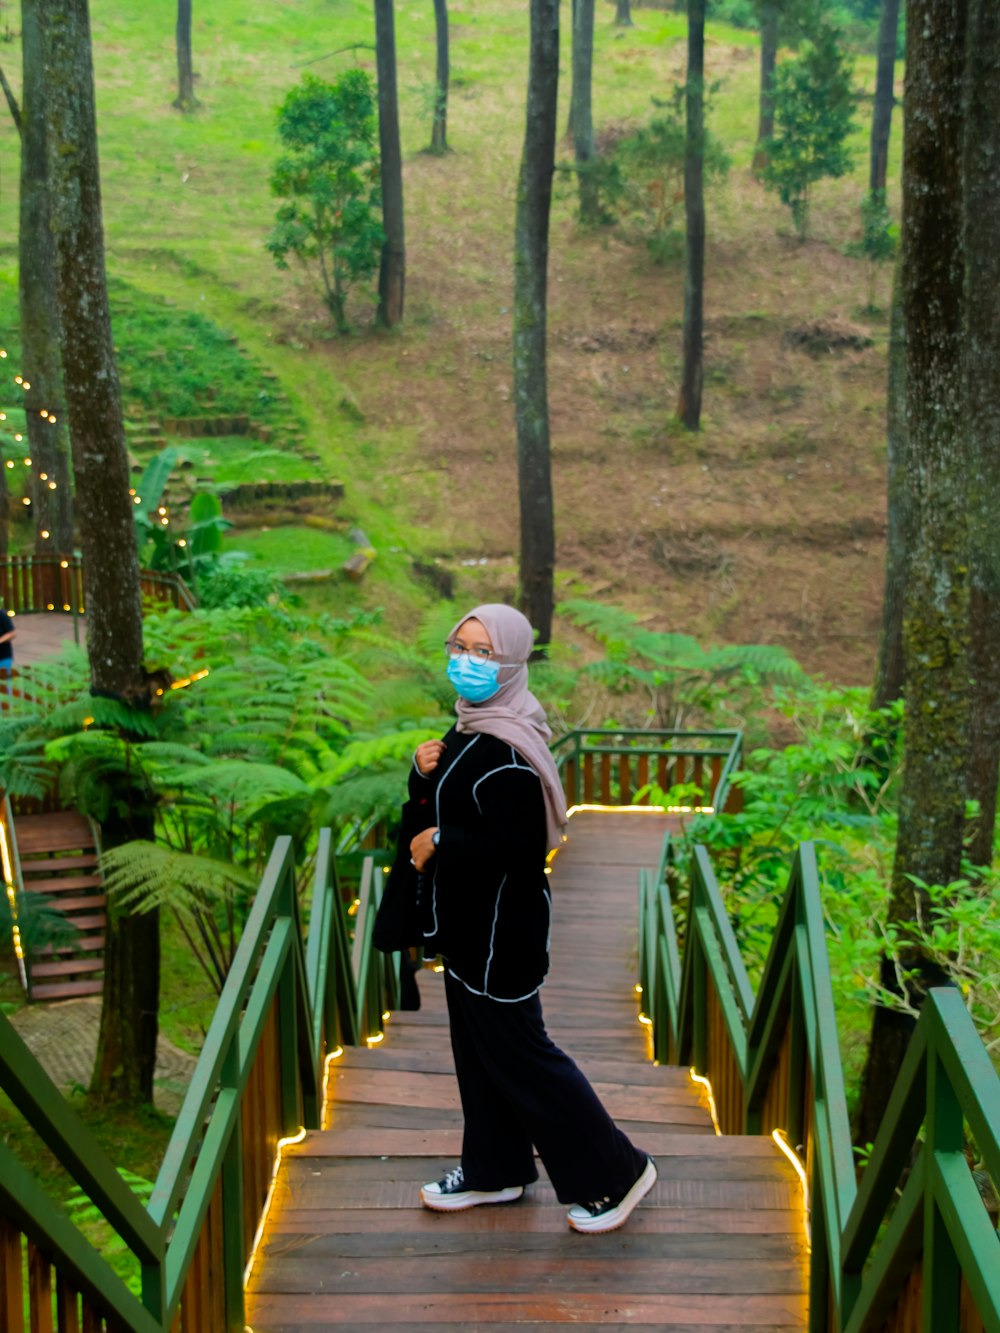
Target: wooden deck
{"type": "Point", "coordinates": [718, 1244]}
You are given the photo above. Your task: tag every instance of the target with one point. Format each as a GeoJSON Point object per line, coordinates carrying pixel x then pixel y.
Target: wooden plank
{"type": "Point", "coordinates": [325, 1310]}
{"type": "Point", "coordinates": [11, 1281]}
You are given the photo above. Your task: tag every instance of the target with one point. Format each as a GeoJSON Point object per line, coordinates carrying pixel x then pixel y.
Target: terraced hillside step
{"type": "Point", "coordinates": [66, 990]}
{"type": "Point", "coordinates": [71, 967]}
{"type": "Point", "coordinates": [90, 902]}
{"type": "Point", "coordinates": [97, 922]}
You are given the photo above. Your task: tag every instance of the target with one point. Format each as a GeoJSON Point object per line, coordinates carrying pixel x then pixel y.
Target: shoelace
{"type": "Point", "coordinates": [596, 1205]}
{"type": "Point", "coordinates": [453, 1179]}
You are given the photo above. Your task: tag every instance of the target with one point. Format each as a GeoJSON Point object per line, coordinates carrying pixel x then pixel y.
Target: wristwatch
{"type": "Point", "coordinates": [436, 836]}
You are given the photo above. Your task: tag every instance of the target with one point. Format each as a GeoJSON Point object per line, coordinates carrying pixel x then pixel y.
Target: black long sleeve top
{"type": "Point", "coordinates": [488, 907]}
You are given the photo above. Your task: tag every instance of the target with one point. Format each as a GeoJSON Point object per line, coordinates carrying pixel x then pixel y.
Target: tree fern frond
{"type": "Point", "coordinates": [140, 876]}
{"type": "Point", "coordinates": [377, 750]}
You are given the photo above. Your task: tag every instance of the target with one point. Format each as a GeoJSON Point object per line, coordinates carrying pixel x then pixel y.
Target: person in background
{"type": "Point", "coordinates": [7, 636]}
{"type": "Point", "coordinates": [493, 806]}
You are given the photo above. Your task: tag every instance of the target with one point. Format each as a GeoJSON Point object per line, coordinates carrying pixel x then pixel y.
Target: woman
{"type": "Point", "coordinates": [492, 804]}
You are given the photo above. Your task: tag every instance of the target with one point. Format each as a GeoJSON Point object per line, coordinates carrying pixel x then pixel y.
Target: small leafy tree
{"type": "Point", "coordinates": [879, 240]}
{"type": "Point", "coordinates": [813, 116]}
{"type": "Point", "coordinates": [640, 182]}
{"type": "Point", "coordinates": [329, 177]}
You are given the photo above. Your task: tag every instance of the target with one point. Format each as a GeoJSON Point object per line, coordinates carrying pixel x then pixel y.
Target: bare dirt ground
{"type": "Point", "coordinates": [768, 526]}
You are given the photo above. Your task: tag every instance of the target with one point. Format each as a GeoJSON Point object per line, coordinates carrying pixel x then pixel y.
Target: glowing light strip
{"type": "Point", "coordinates": [282, 1143]}
{"type": "Point", "coordinates": [333, 1055]}
{"type": "Point", "coordinates": [781, 1139]}
{"type": "Point", "coordinates": [712, 1108]}
{"type": "Point", "coordinates": [189, 680]}
{"type": "Point", "coordinates": [8, 883]}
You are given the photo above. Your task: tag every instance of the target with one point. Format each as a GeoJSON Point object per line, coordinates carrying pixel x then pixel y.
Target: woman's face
{"type": "Point", "coordinates": [472, 634]}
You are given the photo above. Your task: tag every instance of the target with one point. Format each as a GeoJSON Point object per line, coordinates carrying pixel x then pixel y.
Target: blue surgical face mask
{"type": "Point", "coordinates": [474, 681]}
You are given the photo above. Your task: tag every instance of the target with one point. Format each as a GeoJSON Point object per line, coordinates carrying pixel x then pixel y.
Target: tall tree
{"type": "Point", "coordinates": [768, 16]}
{"type": "Point", "coordinates": [127, 1040]}
{"type": "Point", "coordinates": [689, 401]}
{"type": "Point", "coordinates": [885, 78]}
{"type": "Point", "coordinates": [185, 100]}
{"type": "Point", "coordinates": [889, 669]}
{"type": "Point", "coordinates": [623, 13]}
{"type": "Point", "coordinates": [531, 254]}
{"type": "Point", "coordinates": [392, 271]}
{"type": "Point", "coordinates": [439, 129]}
{"type": "Point", "coordinates": [581, 113]}
{"type": "Point", "coordinates": [982, 388]}
{"type": "Point", "coordinates": [48, 436]}
{"type": "Point", "coordinates": [936, 652]}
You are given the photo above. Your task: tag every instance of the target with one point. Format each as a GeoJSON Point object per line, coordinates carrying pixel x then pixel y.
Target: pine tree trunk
{"type": "Point", "coordinates": [889, 671]}
{"type": "Point", "coordinates": [48, 442]}
{"type": "Point", "coordinates": [439, 130]}
{"type": "Point", "coordinates": [392, 272]}
{"type": "Point", "coordinates": [689, 402]}
{"type": "Point", "coordinates": [768, 60]}
{"type": "Point", "coordinates": [623, 14]}
{"type": "Point", "coordinates": [186, 100]}
{"type": "Point", "coordinates": [583, 118]}
{"type": "Point", "coordinates": [936, 604]}
{"type": "Point", "coordinates": [885, 73]}
{"type": "Point", "coordinates": [531, 245]}
{"type": "Point", "coordinates": [982, 352]}
{"type": "Point", "coordinates": [127, 1040]}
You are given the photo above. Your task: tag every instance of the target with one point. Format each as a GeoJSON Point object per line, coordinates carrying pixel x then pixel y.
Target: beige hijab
{"type": "Point", "coordinates": [513, 714]}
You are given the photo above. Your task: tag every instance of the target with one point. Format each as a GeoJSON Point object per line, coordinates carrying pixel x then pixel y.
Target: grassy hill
{"type": "Point", "coordinates": [768, 526]}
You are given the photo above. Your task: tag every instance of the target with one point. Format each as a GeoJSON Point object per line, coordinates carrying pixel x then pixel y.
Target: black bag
{"type": "Point", "coordinates": [399, 922]}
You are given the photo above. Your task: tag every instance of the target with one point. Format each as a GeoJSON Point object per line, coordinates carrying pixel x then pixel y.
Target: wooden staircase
{"type": "Point", "coordinates": [718, 1246]}
{"type": "Point", "coordinates": [58, 856]}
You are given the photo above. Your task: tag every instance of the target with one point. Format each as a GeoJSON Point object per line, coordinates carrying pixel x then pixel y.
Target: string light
{"type": "Point", "coordinates": [258, 1235]}
{"type": "Point", "coordinates": [781, 1139]}
{"type": "Point", "coordinates": [702, 1081]}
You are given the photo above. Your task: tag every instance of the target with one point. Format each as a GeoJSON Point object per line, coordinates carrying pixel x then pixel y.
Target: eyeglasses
{"type": "Point", "coordinates": [477, 653]}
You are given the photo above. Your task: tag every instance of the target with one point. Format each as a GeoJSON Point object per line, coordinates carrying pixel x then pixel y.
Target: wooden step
{"type": "Point", "coordinates": [71, 967]}
{"type": "Point", "coordinates": [36, 864]}
{"type": "Point", "coordinates": [97, 922]}
{"type": "Point", "coordinates": [82, 944]}
{"type": "Point", "coordinates": [66, 990]}
{"type": "Point", "coordinates": [61, 885]}
{"type": "Point", "coordinates": [87, 903]}
{"type": "Point", "coordinates": [64, 831]}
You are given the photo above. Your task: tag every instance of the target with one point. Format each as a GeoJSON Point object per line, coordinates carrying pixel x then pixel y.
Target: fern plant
{"type": "Point", "coordinates": [670, 681]}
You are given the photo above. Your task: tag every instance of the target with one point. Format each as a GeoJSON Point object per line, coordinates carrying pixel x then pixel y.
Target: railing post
{"type": "Point", "coordinates": [942, 1273]}
{"type": "Point", "coordinates": [234, 1254]}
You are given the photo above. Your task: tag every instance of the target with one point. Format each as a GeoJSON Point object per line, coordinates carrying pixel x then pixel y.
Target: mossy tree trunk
{"type": "Point", "coordinates": [936, 647]}
{"type": "Point", "coordinates": [531, 250]}
{"type": "Point", "coordinates": [889, 670]}
{"type": "Point", "coordinates": [769, 15]}
{"type": "Point", "coordinates": [185, 100]}
{"type": "Point", "coordinates": [127, 1040]}
{"type": "Point", "coordinates": [392, 271]}
{"type": "Point", "coordinates": [689, 401]}
{"type": "Point", "coordinates": [48, 436]}
{"type": "Point", "coordinates": [582, 115]}
{"type": "Point", "coordinates": [439, 129]}
{"type": "Point", "coordinates": [982, 353]}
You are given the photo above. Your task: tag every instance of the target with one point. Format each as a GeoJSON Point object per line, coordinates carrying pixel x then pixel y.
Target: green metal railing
{"type": "Point", "coordinates": [928, 1259]}
{"type": "Point", "coordinates": [609, 766]}
{"type": "Point", "coordinates": [284, 1008]}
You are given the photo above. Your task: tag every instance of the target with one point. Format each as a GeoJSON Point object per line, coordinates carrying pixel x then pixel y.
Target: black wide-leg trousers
{"type": "Point", "coordinates": [521, 1092]}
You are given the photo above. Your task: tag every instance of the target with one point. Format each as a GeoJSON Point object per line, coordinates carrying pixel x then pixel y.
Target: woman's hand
{"type": "Point", "coordinates": [428, 755]}
{"type": "Point", "coordinates": [422, 846]}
